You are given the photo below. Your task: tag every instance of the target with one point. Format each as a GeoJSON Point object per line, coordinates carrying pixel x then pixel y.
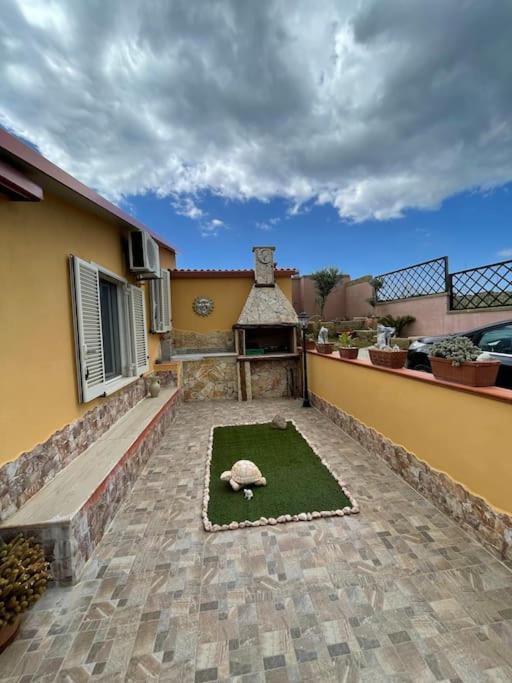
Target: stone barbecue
{"type": "Point", "coordinates": [266, 333]}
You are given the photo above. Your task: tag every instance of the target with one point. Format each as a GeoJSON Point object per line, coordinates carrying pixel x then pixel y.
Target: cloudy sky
{"type": "Point", "coordinates": [370, 134]}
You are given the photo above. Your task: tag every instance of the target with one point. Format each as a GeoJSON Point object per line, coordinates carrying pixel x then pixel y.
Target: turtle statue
{"type": "Point", "coordinates": [242, 473]}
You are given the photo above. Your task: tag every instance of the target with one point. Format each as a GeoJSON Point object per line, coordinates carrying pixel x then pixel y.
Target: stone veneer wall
{"type": "Point", "coordinates": [187, 341]}
{"type": "Point", "coordinates": [210, 378]}
{"type": "Point", "coordinates": [69, 544]}
{"type": "Point", "coordinates": [24, 477]}
{"type": "Point", "coordinates": [274, 378]}
{"type": "Point", "coordinates": [489, 526]}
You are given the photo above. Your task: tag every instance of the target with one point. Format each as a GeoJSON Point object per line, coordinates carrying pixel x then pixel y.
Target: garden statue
{"type": "Point", "coordinates": [279, 422]}
{"type": "Point", "coordinates": [384, 335]}
{"type": "Point", "coordinates": [248, 494]}
{"type": "Point", "coordinates": [323, 335]}
{"type": "Point", "coordinates": [242, 473]}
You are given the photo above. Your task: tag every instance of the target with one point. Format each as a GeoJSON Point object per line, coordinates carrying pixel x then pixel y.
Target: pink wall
{"type": "Point", "coordinates": [356, 295]}
{"type": "Point", "coordinates": [349, 300]}
{"type": "Point", "coordinates": [433, 317]}
{"type": "Point", "coordinates": [304, 298]}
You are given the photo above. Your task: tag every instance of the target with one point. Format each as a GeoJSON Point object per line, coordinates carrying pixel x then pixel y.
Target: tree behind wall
{"type": "Point", "coordinates": [325, 281]}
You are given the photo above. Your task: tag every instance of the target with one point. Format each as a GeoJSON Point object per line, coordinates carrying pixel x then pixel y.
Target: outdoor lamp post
{"type": "Point", "coordinates": [304, 320]}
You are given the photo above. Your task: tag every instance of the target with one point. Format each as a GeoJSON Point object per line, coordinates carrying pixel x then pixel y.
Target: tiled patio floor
{"type": "Point", "coordinates": [396, 593]}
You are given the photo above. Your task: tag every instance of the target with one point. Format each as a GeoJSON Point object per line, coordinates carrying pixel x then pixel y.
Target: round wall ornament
{"type": "Point", "coordinates": [202, 305]}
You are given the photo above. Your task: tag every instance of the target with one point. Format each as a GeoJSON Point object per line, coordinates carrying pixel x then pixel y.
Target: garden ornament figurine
{"type": "Point", "coordinates": [384, 335]}
{"type": "Point", "coordinates": [248, 494]}
{"type": "Point", "coordinates": [242, 473]}
{"type": "Point", "coordinates": [323, 335]}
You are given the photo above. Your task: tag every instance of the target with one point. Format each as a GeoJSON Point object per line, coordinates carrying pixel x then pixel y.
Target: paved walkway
{"type": "Point", "coordinates": [396, 593]}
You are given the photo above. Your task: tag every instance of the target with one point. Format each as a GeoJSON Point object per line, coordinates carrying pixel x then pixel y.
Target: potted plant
{"type": "Point", "coordinates": [457, 359]}
{"type": "Point", "coordinates": [385, 355]}
{"type": "Point", "coordinates": [388, 357]}
{"type": "Point", "coordinates": [346, 348]}
{"type": "Point", "coordinates": [23, 578]}
{"type": "Point", "coordinates": [310, 342]}
{"type": "Point", "coordinates": [323, 345]}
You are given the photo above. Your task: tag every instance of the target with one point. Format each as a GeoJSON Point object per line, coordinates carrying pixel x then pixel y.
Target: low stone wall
{"type": "Point", "coordinates": [187, 341]}
{"type": "Point", "coordinates": [25, 476]}
{"type": "Point", "coordinates": [275, 378]}
{"type": "Point", "coordinates": [490, 527]}
{"type": "Point", "coordinates": [69, 544]}
{"type": "Point", "coordinates": [210, 379]}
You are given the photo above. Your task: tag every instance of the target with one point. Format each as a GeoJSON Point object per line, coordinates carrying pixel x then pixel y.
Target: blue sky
{"type": "Point", "coordinates": [368, 134]}
{"type": "Point", "coordinates": [470, 228]}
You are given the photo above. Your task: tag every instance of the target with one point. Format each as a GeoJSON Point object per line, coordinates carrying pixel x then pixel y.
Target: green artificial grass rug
{"type": "Point", "coordinates": [299, 486]}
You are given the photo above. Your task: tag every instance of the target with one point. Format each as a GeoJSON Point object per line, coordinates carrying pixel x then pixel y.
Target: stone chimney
{"type": "Point", "coordinates": [264, 266]}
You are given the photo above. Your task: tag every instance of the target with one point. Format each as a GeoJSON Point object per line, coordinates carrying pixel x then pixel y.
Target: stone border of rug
{"type": "Point", "coordinates": [282, 519]}
{"type": "Point", "coordinates": [491, 528]}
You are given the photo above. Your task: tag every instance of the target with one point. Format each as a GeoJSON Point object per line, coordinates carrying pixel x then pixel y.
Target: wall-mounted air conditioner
{"type": "Point", "coordinates": [144, 255]}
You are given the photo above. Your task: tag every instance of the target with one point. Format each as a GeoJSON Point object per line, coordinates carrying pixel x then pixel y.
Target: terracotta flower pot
{"type": "Point", "coordinates": [8, 633]}
{"type": "Point", "coordinates": [310, 345]}
{"type": "Point", "coordinates": [324, 348]}
{"type": "Point", "coordinates": [348, 352]}
{"type": "Point", "coordinates": [388, 359]}
{"type": "Point", "coordinates": [471, 373]}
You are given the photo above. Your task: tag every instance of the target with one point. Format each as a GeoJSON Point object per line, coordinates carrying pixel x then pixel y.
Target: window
{"type": "Point", "coordinates": [110, 329]}
{"type": "Point", "coordinates": [161, 303]}
{"type": "Point", "coordinates": [497, 341]}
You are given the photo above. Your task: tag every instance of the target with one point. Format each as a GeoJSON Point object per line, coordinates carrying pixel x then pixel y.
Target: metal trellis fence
{"type": "Point", "coordinates": [484, 287]}
{"type": "Point", "coordinates": [422, 279]}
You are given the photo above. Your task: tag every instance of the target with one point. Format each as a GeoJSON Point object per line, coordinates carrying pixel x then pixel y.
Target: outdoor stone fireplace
{"type": "Point", "coordinates": [266, 336]}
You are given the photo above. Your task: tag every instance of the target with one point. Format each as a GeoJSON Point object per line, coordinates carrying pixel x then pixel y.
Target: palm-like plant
{"type": "Point", "coordinates": [325, 281]}
{"type": "Point", "coordinates": [399, 323]}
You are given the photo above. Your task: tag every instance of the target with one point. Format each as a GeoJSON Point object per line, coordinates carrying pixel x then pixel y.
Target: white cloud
{"type": "Point", "coordinates": [505, 253]}
{"type": "Point", "coordinates": [212, 227]}
{"type": "Point", "coordinates": [185, 206]}
{"type": "Point", "coordinates": [371, 106]}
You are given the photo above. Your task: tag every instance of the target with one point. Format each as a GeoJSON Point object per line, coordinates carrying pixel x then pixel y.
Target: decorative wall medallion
{"type": "Point", "coordinates": [202, 305]}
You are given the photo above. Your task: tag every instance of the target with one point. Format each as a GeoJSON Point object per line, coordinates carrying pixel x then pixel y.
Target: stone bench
{"type": "Point", "coordinates": [70, 514]}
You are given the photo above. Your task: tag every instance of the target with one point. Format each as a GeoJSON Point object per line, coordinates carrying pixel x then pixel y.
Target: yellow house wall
{"type": "Point", "coordinates": [228, 294]}
{"type": "Point", "coordinates": [464, 435]}
{"type": "Point", "coordinates": [37, 360]}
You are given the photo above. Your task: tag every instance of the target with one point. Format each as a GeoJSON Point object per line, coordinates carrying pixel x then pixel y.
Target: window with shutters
{"type": "Point", "coordinates": [161, 303]}
{"type": "Point", "coordinates": [110, 330]}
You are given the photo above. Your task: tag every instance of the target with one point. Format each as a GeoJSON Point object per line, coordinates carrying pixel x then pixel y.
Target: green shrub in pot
{"type": "Point", "coordinates": [456, 349]}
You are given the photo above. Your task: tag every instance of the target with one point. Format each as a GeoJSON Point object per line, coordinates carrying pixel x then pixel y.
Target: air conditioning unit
{"type": "Point", "coordinates": [144, 255]}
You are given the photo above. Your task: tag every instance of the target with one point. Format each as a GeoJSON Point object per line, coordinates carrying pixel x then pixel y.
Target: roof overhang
{"type": "Point", "coordinates": [16, 186]}
{"type": "Point", "coordinates": [43, 173]}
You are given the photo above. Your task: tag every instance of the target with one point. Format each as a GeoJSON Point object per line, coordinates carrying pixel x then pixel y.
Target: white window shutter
{"type": "Point", "coordinates": [160, 303]}
{"type": "Point", "coordinates": [89, 339]}
{"type": "Point", "coordinates": [154, 290]}
{"type": "Point", "coordinates": [139, 335]}
{"type": "Point", "coordinates": [166, 300]}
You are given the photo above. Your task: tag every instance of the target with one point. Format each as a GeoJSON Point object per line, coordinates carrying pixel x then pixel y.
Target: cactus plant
{"type": "Point", "coordinates": [456, 349]}
{"type": "Point", "coordinates": [23, 577]}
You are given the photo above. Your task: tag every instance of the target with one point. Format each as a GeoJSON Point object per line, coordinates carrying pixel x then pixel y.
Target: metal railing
{"type": "Point", "coordinates": [484, 287]}
{"type": "Point", "coordinates": [421, 279]}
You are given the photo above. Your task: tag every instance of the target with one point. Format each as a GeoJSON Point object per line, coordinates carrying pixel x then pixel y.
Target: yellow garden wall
{"type": "Point", "coordinates": [228, 293]}
{"type": "Point", "coordinates": [37, 363]}
{"type": "Point", "coordinates": [465, 435]}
